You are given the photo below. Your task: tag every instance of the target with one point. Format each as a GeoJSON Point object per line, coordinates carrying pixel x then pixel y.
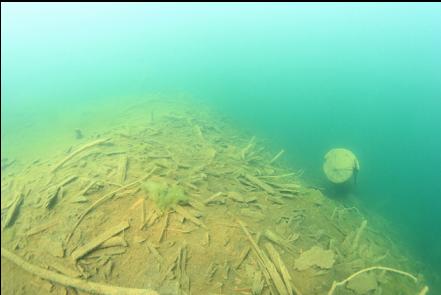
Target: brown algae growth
{"type": "Point", "coordinates": [170, 202]}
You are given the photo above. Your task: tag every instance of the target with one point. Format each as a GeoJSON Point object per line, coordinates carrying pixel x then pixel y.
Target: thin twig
{"type": "Point", "coordinates": [335, 284]}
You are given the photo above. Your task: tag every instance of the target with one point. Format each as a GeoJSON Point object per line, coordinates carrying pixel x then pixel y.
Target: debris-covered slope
{"type": "Point", "coordinates": [174, 199]}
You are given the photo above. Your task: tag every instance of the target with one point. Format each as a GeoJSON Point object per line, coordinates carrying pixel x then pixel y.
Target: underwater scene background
{"type": "Point", "coordinates": [304, 78]}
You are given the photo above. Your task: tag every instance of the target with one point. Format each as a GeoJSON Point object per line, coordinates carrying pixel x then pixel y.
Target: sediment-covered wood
{"type": "Point", "coordinates": [83, 285]}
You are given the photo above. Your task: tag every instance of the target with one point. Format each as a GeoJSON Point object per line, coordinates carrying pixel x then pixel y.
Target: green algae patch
{"type": "Point", "coordinates": [163, 194]}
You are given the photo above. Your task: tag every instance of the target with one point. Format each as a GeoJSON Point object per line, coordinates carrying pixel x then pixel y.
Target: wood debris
{"type": "Point", "coordinates": [142, 208]}
{"type": "Point", "coordinates": [236, 197]}
{"type": "Point", "coordinates": [212, 198]}
{"type": "Point", "coordinates": [259, 183]}
{"type": "Point", "coordinates": [64, 270]}
{"type": "Point", "coordinates": [184, 213]}
{"type": "Point", "coordinates": [272, 277]}
{"type": "Point", "coordinates": [358, 235]}
{"type": "Point", "coordinates": [154, 252]}
{"type": "Point", "coordinates": [242, 256]}
{"type": "Point", "coordinates": [275, 238]}
{"type": "Point", "coordinates": [137, 203]}
{"type": "Point", "coordinates": [52, 197]}
{"type": "Point", "coordinates": [246, 149]}
{"type": "Point", "coordinates": [79, 284]}
{"type": "Point", "coordinates": [212, 269]}
{"type": "Point", "coordinates": [164, 227]}
{"type": "Point", "coordinates": [94, 243]}
{"type": "Point", "coordinates": [181, 270]}
{"type": "Point", "coordinates": [316, 256]}
{"type": "Point", "coordinates": [123, 169]}
{"type": "Point", "coordinates": [80, 199]}
{"type": "Point", "coordinates": [283, 270]}
{"type": "Point", "coordinates": [279, 154]}
{"type": "Point", "coordinates": [13, 211]}
{"type": "Point", "coordinates": [79, 150]}
{"type": "Point", "coordinates": [102, 200]}
{"type": "Point", "coordinates": [258, 283]}
{"type": "Point", "coordinates": [251, 213]}
{"type": "Point", "coordinates": [114, 242]}
{"type": "Point", "coordinates": [41, 228]}
{"type": "Point", "coordinates": [106, 252]}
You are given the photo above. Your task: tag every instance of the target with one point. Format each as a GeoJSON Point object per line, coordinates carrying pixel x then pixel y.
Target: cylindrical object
{"type": "Point", "coordinates": [340, 165]}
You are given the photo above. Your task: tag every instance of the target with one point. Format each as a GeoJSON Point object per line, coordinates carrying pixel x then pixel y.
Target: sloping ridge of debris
{"type": "Point", "coordinates": [235, 218]}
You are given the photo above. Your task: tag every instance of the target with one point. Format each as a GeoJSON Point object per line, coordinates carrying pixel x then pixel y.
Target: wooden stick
{"type": "Point", "coordinates": [275, 238]}
{"type": "Point", "coordinates": [259, 183]}
{"type": "Point", "coordinates": [86, 286]}
{"type": "Point", "coordinates": [210, 199]}
{"type": "Point", "coordinates": [277, 156]}
{"type": "Point", "coordinates": [181, 230]}
{"type": "Point", "coordinates": [64, 270]}
{"type": "Point", "coordinates": [103, 252]}
{"type": "Point", "coordinates": [281, 267]}
{"type": "Point", "coordinates": [114, 242]}
{"type": "Point", "coordinates": [268, 268]}
{"type": "Point", "coordinates": [155, 252]}
{"type": "Point", "coordinates": [81, 251]}
{"type": "Point", "coordinates": [123, 169]}
{"type": "Point", "coordinates": [76, 152]}
{"type": "Point", "coordinates": [142, 214]}
{"type": "Point", "coordinates": [245, 150]}
{"type": "Point", "coordinates": [358, 235]}
{"type": "Point", "coordinates": [184, 213]}
{"type": "Point", "coordinates": [52, 198]}
{"type": "Point", "coordinates": [87, 188]}
{"type": "Point", "coordinates": [137, 203]}
{"type": "Point", "coordinates": [164, 227]}
{"type": "Point", "coordinates": [278, 176]}
{"type": "Point", "coordinates": [424, 290]}
{"type": "Point", "coordinates": [68, 180]}
{"type": "Point", "coordinates": [335, 284]}
{"type": "Point", "coordinates": [243, 255]}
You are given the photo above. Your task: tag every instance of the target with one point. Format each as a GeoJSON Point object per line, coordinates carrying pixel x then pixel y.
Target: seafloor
{"type": "Point", "coordinates": [173, 198]}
